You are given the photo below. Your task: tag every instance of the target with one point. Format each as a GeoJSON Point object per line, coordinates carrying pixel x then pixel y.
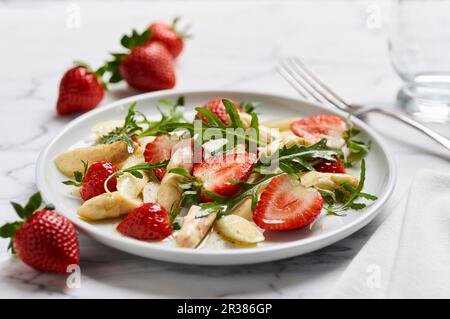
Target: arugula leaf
{"type": "Point", "coordinates": [348, 195]}
{"type": "Point", "coordinates": [136, 124]}
{"type": "Point", "coordinates": [358, 149]}
{"type": "Point", "coordinates": [172, 118]}
{"type": "Point", "coordinates": [124, 133]}
{"type": "Point", "coordinates": [223, 205]}
{"type": "Point", "coordinates": [248, 107]}
{"type": "Point", "coordinates": [79, 176]}
{"type": "Point", "coordinates": [297, 158]}
{"type": "Point", "coordinates": [235, 132]}
{"type": "Point", "coordinates": [192, 188]}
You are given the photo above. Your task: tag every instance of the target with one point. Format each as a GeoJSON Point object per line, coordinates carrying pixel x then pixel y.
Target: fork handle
{"type": "Point", "coordinates": [427, 131]}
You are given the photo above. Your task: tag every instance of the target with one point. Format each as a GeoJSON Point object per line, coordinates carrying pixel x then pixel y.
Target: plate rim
{"type": "Point", "coordinates": [347, 229]}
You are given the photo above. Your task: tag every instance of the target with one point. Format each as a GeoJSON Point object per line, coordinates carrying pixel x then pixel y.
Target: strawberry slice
{"type": "Point", "coordinates": [216, 106]}
{"type": "Point", "coordinates": [314, 128]}
{"type": "Point", "coordinates": [147, 222]}
{"type": "Point", "coordinates": [216, 172]}
{"type": "Point", "coordinates": [286, 205]}
{"type": "Point", "coordinates": [160, 149]}
{"type": "Point", "coordinates": [330, 167]}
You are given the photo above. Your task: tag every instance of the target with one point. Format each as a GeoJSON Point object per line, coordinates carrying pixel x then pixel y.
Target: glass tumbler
{"type": "Point", "coordinates": [419, 46]}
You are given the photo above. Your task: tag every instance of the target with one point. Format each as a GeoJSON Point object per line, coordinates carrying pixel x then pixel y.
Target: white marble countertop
{"type": "Point", "coordinates": [236, 45]}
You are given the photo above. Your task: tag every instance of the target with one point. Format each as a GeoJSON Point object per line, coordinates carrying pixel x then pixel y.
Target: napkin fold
{"type": "Point", "coordinates": [409, 254]}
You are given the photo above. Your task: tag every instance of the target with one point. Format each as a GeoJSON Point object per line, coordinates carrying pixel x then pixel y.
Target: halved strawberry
{"type": "Point", "coordinates": [216, 106]}
{"type": "Point", "coordinates": [286, 205]}
{"type": "Point", "coordinates": [314, 128]}
{"type": "Point", "coordinates": [216, 172]}
{"type": "Point", "coordinates": [147, 222]}
{"type": "Point", "coordinates": [330, 167]}
{"type": "Point", "coordinates": [160, 149]}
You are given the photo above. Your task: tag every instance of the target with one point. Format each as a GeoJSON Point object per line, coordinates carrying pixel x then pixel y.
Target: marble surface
{"type": "Point", "coordinates": [235, 45]}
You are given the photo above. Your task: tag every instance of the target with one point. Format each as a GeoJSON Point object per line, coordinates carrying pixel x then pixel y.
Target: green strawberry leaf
{"type": "Point", "coordinates": [33, 204]}
{"type": "Point", "coordinates": [8, 230]}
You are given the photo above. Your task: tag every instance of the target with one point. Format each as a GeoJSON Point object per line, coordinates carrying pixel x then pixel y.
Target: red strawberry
{"type": "Point", "coordinates": [169, 36]}
{"type": "Point", "coordinates": [160, 149]}
{"type": "Point", "coordinates": [314, 128]}
{"type": "Point", "coordinates": [147, 222]}
{"type": "Point", "coordinates": [149, 67]}
{"type": "Point", "coordinates": [216, 172]}
{"type": "Point", "coordinates": [330, 167]}
{"type": "Point", "coordinates": [285, 205]}
{"type": "Point", "coordinates": [95, 177]}
{"type": "Point", "coordinates": [44, 240]}
{"type": "Point", "coordinates": [80, 90]}
{"type": "Point", "coordinates": [216, 106]}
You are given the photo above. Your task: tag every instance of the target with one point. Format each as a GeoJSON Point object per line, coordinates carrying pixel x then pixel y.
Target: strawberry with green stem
{"type": "Point", "coordinates": [146, 65]}
{"type": "Point", "coordinates": [42, 238]}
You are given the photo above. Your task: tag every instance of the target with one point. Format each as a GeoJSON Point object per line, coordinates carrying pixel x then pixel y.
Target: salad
{"type": "Point", "coordinates": [220, 174]}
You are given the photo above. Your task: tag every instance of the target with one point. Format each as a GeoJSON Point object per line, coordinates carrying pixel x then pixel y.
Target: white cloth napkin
{"type": "Point", "coordinates": [409, 254]}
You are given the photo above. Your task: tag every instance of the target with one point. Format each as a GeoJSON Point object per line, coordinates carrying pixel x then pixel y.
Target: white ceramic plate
{"type": "Point", "coordinates": [380, 178]}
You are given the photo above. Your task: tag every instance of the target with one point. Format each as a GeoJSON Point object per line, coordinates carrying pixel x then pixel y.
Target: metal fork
{"type": "Point", "coordinates": [302, 79]}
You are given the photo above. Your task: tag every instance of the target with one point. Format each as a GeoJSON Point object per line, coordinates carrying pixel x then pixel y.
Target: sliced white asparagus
{"type": "Point", "coordinates": [282, 125]}
{"type": "Point", "coordinates": [266, 134]}
{"type": "Point", "coordinates": [328, 181]}
{"type": "Point", "coordinates": [284, 139]}
{"type": "Point", "coordinates": [238, 230]}
{"type": "Point", "coordinates": [71, 161]}
{"type": "Point", "coordinates": [107, 205]}
{"type": "Point", "coordinates": [150, 192]}
{"type": "Point", "coordinates": [169, 193]}
{"type": "Point", "coordinates": [243, 209]}
{"type": "Point", "coordinates": [194, 229]}
{"type": "Point", "coordinates": [127, 184]}
{"type": "Point", "coordinates": [210, 147]}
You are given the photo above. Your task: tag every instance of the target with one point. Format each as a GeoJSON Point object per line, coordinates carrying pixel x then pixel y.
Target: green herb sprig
{"type": "Point", "coordinates": [297, 158]}
{"type": "Point", "coordinates": [136, 123]}
{"type": "Point", "coordinates": [126, 132]}
{"type": "Point", "coordinates": [137, 171]}
{"type": "Point", "coordinates": [347, 195]}
{"type": "Point", "coordinates": [358, 149]}
{"type": "Point", "coordinates": [79, 176]}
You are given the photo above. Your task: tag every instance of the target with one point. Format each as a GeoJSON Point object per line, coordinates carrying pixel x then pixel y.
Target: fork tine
{"type": "Point", "coordinates": [299, 82]}
{"type": "Point", "coordinates": [330, 95]}
{"type": "Point", "coordinates": [294, 83]}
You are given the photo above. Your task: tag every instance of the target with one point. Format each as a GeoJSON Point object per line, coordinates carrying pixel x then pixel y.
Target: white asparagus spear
{"type": "Point", "coordinates": [194, 229]}
{"type": "Point", "coordinates": [328, 181]}
{"type": "Point", "coordinates": [238, 230]}
{"type": "Point", "coordinates": [127, 184]}
{"type": "Point", "coordinates": [169, 193]}
{"type": "Point", "coordinates": [107, 205]}
{"type": "Point", "coordinates": [71, 161]}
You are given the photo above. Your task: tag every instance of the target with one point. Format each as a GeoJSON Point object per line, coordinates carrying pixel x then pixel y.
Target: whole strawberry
{"type": "Point", "coordinates": [147, 66]}
{"type": "Point", "coordinates": [43, 239]}
{"type": "Point", "coordinates": [147, 222]}
{"type": "Point", "coordinates": [167, 34]}
{"type": "Point", "coordinates": [80, 90]}
{"type": "Point", "coordinates": [92, 180]}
